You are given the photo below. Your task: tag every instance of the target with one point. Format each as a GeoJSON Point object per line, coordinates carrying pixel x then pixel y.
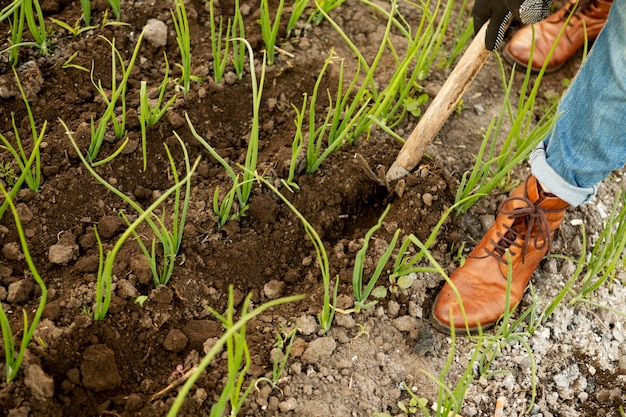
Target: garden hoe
{"type": "Point", "coordinates": [441, 107]}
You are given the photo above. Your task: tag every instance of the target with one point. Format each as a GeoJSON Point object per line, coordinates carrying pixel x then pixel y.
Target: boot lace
{"type": "Point", "coordinates": [529, 222]}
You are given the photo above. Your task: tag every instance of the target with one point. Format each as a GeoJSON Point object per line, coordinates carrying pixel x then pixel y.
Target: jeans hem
{"type": "Point", "coordinates": [550, 179]}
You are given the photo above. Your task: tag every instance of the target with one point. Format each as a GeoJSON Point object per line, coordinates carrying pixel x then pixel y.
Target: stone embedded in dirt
{"type": "Point", "coordinates": [125, 289]}
{"type": "Point", "coordinates": [20, 291]}
{"type": "Point", "coordinates": [274, 289]}
{"type": "Point", "coordinates": [289, 404]}
{"type": "Point", "coordinates": [108, 226]}
{"type": "Point", "coordinates": [30, 78]}
{"type": "Point", "coordinates": [427, 198]}
{"type": "Point", "coordinates": [319, 349]}
{"type": "Point", "coordinates": [406, 324]}
{"type": "Point", "coordinates": [24, 213]}
{"type": "Point", "coordinates": [133, 402]}
{"type": "Point", "coordinates": [99, 368]}
{"type": "Point", "coordinates": [345, 320]}
{"type": "Point", "coordinates": [307, 325]}
{"type": "Point", "coordinates": [62, 253]}
{"type": "Point", "coordinates": [263, 209]}
{"type": "Point", "coordinates": [175, 341]}
{"type": "Point", "coordinates": [12, 252]}
{"type": "Point", "coordinates": [197, 331]}
{"type": "Point", "coordinates": [140, 267]}
{"type": "Point", "coordinates": [175, 119]}
{"type": "Point", "coordinates": [87, 263]}
{"type": "Point", "coordinates": [162, 295]}
{"type": "Point", "coordinates": [41, 384]}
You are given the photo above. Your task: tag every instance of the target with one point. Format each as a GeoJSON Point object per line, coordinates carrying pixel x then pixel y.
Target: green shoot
{"type": "Point", "coordinates": [231, 173]}
{"type": "Point", "coordinates": [253, 144]}
{"type": "Point", "coordinates": [37, 26]}
{"type": "Point", "coordinates": [238, 360]}
{"type": "Point", "coordinates": [13, 359]}
{"type": "Point", "coordinates": [238, 33]}
{"type": "Point", "coordinates": [86, 6]}
{"type": "Point", "coordinates": [340, 118]}
{"type": "Point", "coordinates": [296, 146]}
{"type": "Point", "coordinates": [117, 92]}
{"type": "Point", "coordinates": [33, 179]}
{"type": "Point", "coordinates": [169, 238]}
{"type": "Point", "coordinates": [17, 31]}
{"type": "Point", "coordinates": [181, 25]}
{"type": "Point", "coordinates": [9, 9]}
{"type": "Point", "coordinates": [7, 174]}
{"type": "Point", "coordinates": [74, 30]}
{"type": "Point", "coordinates": [361, 293]}
{"type": "Point", "coordinates": [607, 256]}
{"type": "Point", "coordinates": [222, 210]}
{"type": "Point", "coordinates": [327, 314]}
{"type": "Point", "coordinates": [104, 281]}
{"type": "Point", "coordinates": [220, 54]}
{"type": "Point", "coordinates": [70, 63]}
{"type": "Point", "coordinates": [280, 356]}
{"type": "Point", "coordinates": [105, 274]}
{"type": "Point", "coordinates": [245, 186]}
{"type": "Point", "coordinates": [230, 333]}
{"type": "Point", "coordinates": [115, 7]}
{"type": "Point", "coordinates": [269, 29]}
{"type": "Point", "coordinates": [149, 115]}
{"type": "Point", "coordinates": [298, 9]}
{"type": "Point", "coordinates": [324, 7]}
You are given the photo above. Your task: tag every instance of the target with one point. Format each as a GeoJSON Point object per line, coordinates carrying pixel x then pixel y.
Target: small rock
{"type": "Point", "coordinates": [427, 198]}
{"type": "Point", "coordinates": [162, 294]}
{"type": "Point", "coordinates": [319, 349]}
{"type": "Point", "coordinates": [99, 368]}
{"type": "Point", "coordinates": [87, 263]}
{"type": "Point", "coordinates": [133, 402]}
{"type": "Point", "coordinates": [108, 226]}
{"type": "Point", "coordinates": [20, 291]}
{"type": "Point", "coordinates": [345, 320]}
{"type": "Point", "coordinates": [41, 384]}
{"type": "Point", "coordinates": [175, 341]}
{"type": "Point", "coordinates": [393, 308]}
{"type": "Point", "coordinates": [307, 325]}
{"type": "Point", "coordinates": [155, 32]}
{"type": "Point", "coordinates": [62, 253]}
{"type": "Point", "coordinates": [289, 404]}
{"type": "Point", "coordinates": [274, 289]}
{"type": "Point", "coordinates": [12, 252]}
{"type": "Point", "coordinates": [140, 267]}
{"type": "Point", "coordinates": [486, 220]}
{"type": "Point", "coordinates": [125, 289]}
{"type": "Point", "coordinates": [24, 213]}
{"type": "Point", "coordinates": [175, 119]}
{"type": "Point", "coordinates": [405, 323]}
{"type": "Point", "coordinates": [197, 331]}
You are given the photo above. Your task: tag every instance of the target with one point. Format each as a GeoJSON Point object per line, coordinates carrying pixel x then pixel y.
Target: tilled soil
{"type": "Point", "coordinates": [120, 366]}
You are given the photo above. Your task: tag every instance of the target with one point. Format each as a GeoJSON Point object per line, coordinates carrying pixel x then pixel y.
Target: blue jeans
{"type": "Point", "coordinates": [589, 138]}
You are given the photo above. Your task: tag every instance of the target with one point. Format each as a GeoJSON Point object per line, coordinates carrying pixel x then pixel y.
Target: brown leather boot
{"type": "Point", "coordinates": [525, 225]}
{"type": "Point", "coordinates": [590, 17]}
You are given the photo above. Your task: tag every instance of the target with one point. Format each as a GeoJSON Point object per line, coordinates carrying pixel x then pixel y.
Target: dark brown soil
{"type": "Point", "coordinates": [116, 366]}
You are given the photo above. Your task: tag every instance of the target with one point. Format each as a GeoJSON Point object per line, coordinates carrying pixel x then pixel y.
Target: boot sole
{"type": "Point", "coordinates": [521, 66]}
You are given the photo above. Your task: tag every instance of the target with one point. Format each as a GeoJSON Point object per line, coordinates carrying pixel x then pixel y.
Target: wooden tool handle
{"type": "Point", "coordinates": [441, 107]}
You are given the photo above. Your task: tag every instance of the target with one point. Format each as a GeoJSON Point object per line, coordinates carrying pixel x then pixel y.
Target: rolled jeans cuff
{"type": "Point", "coordinates": [551, 180]}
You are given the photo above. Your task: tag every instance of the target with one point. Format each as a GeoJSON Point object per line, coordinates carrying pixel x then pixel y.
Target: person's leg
{"type": "Point", "coordinates": [587, 143]}
{"type": "Point", "coordinates": [589, 138]}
